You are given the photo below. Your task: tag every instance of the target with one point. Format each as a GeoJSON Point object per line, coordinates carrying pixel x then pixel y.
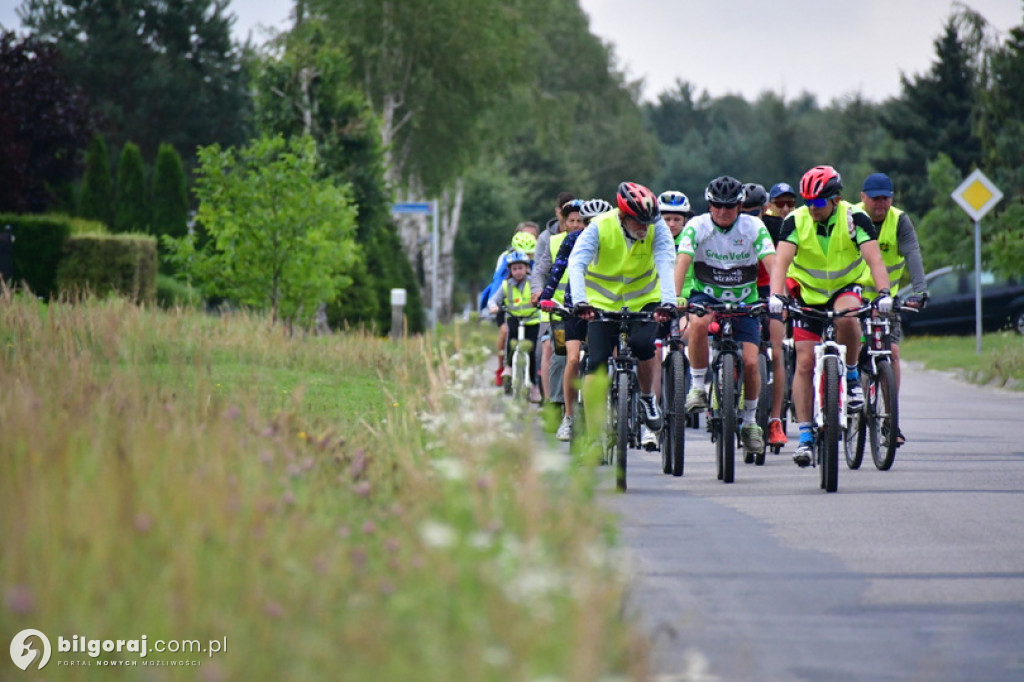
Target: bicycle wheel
{"type": "Point", "coordinates": [830, 431]}
{"type": "Point", "coordinates": [884, 423]}
{"type": "Point", "coordinates": [676, 424]}
{"type": "Point", "coordinates": [621, 429]}
{"type": "Point", "coordinates": [764, 402]}
{"type": "Point", "coordinates": [853, 442]}
{"type": "Point", "coordinates": [665, 435]}
{"type": "Point", "coordinates": [727, 404]}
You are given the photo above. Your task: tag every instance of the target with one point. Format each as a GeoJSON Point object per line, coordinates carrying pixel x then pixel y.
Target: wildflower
{"type": "Point", "coordinates": [358, 557]}
{"type": "Point", "coordinates": [362, 489]}
{"type": "Point", "coordinates": [232, 412]}
{"type": "Point", "coordinates": [450, 469]}
{"type": "Point", "coordinates": [20, 600]}
{"type": "Point", "coordinates": [273, 609]}
{"type": "Point", "coordinates": [143, 522]}
{"type": "Point", "coordinates": [369, 528]}
{"type": "Point", "coordinates": [437, 534]}
{"type": "Point", "coordinates": [289, 498]}
{"type": "Point", "coordinates": [358, 464]}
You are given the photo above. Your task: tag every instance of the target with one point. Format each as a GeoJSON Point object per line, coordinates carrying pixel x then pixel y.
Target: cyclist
{"type": "Point", "coordinates": [515, 294]}
{"type": "Point", "coordinates": [725, 247]}
{"type": "Point", "coordinates": [901, 253]}
{"type": "Point", "coordinates": [557, 288]}
{"type": "Point", "coordinates": [830, 249]}
{"type": "Point", "coordinates": [624, 259]}
{"type": "Point", "coordinates": [761, 204]}
{"type": "Point", "coordinates": [781, 200]}
{"type": "Point", "coordinates": [541, 267]}
{"type": "Point", "coordinates": [524, 240]}
{"type": "Point", "coordinates": [571, 222]}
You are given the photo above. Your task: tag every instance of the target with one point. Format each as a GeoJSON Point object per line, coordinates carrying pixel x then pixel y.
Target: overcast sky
{"type": "Point", "coordinates": [829, 48]}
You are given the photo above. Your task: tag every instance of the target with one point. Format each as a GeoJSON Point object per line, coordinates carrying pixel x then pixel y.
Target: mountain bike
{"type": "Point", "coordinates": [829, 391]}
{"type": "Point", "coordinates": [675, 384]}
{"type": "Point", "coordinates": [726, 381]}
{"type": "Point", "coordinates": [623, 418]}
{"type": "Point", "coordinates": [878, 421]}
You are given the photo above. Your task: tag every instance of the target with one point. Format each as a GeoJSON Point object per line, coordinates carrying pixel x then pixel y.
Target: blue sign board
{"type": "Point", "coordinates": [426, 207]}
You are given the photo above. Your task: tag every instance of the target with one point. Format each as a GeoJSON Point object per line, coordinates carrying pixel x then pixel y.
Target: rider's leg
{"type": "Point", "coordinates": [569, 379]}
{"type": "Point", "coordinates": [751, 381]}
{"type": "Point", "coordinates": [777, 331]}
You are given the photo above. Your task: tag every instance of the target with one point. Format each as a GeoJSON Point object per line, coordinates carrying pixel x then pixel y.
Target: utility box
{"type": "Point", "coordinates": [398, 299]}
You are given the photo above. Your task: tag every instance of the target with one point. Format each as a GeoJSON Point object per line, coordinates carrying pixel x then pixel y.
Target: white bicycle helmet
{"type": "Point", "coordinates": [673, 201]}
{"type": "Point", "coordinates": [594, 207]}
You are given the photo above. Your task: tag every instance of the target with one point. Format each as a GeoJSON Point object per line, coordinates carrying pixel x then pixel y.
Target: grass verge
{"type": "Point", "coordinates": [1001, 362]}
{"type": "Point", "coordinates": [333, 507]}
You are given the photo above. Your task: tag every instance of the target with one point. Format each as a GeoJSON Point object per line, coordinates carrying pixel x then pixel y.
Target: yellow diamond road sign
{"type": "Point", "coordinates": [977, 195]}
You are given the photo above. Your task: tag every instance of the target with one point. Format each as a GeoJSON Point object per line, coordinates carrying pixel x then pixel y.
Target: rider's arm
{"type": "Point", "coordinates": [906, 238]}
{"type": "Point", "coordinates": [559, 266]}
{"type": "Point", "coordinates": [784, 253]}
{"type": "Point", "coordinates": [582, 255]}
{"type": "Point", "coordinates": [497, 298]}
{"type": "Point", "coordinates": [867, 241]}
{"type": "Point", "coordinates": [665, 261]}
{"type": "Point", "coordinates": [541, 262]}
{"type": "Point", "coordinates": [684, 259]}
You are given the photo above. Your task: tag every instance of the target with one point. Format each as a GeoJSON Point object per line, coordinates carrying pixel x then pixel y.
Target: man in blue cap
{"type": "Point", "coordinates": [901, 253]}
{"type": "Point", "coordinates": [781, 199]}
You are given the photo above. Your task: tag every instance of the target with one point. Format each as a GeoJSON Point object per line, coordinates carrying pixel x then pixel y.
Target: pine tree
{"type": "Point", "coordinates": [96, 202]}
{"type": "Point", "coordinates": [131, 205]}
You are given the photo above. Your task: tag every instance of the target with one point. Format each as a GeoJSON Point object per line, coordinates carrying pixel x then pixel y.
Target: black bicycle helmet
{"type": "Point", "coordinates": [754, 196]}
{"type": "Point", "coordinates": [724, 190]}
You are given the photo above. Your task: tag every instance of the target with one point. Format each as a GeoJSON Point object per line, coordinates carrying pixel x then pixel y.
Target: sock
{"type": "Point", "coordinates": [851, 373]}
{"type": "Point", "coordinates": [806, 434]}
{"type": "Point", "coordinates": [698, 376]}
{"type": "Point", "coordinates": [749, 410]}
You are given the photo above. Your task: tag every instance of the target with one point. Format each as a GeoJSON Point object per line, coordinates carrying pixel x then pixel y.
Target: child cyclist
{"type": "Point", "coordinates": [514, 293]}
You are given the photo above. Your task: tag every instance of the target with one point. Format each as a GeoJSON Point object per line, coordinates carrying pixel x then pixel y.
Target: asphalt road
{"type": "Point", "coordinates": [912, 574]}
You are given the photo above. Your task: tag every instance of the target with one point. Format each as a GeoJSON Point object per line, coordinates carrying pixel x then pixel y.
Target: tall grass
{"type": "Point", "coordinates": [336, 508]}
{"type": "Point", "coordinates": [1001, 361]}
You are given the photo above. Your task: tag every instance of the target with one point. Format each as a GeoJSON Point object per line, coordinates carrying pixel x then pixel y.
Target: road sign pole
{"type": "Point", "coordinates": [977, 287]}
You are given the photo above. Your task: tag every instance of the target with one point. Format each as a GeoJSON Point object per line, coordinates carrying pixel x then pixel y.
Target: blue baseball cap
{"type": "Point", "coordinates": [780, 188]}
{"type": "Point", "coordinates": [877, 185]}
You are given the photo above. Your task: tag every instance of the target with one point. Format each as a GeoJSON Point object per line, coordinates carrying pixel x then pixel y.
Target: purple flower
{"type": "Point", "coordinates": [19, 599]}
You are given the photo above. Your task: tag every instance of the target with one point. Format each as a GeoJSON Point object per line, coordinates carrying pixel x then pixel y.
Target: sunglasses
{"type": "Point", "coordinates": [817, 203]}
{"type": "Point", "coordinates": [727, 206]}
{"type": "Point", "coordinates": [785, 203]}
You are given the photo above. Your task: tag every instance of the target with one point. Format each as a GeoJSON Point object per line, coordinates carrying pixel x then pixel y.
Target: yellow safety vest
{"type": "Point", "coordinates": [556, 244]}
{"type": "Point", "coordinates": [822, 274]}
{"type": "Point", "coordinates": [621, 276]}
{"type": "Point", "coordinates": [517, 302]}
{"type": "Point", "coordinates": [888, 244]}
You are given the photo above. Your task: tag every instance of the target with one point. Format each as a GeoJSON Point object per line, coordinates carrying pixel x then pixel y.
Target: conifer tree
{"type": "Point", "coordinates": [131, 205]}
{"type": "Point", "coordinates": [96, 201]}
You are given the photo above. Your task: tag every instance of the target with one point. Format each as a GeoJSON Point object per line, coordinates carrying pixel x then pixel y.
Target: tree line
{"type": "Point", "coordinates": [491, 108]}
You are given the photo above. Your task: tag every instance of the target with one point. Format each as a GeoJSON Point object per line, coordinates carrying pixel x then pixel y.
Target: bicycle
{"type": "Point", "coordinates": [675, 384]}
{"type": "Point", "coordinates": [557, 310]}
{"type": "Point", "coordinates": [623, 419]}
{"type": "Point", "coordinates": [519, 383]}
{"type": "Point", "coordinates": [877, 422]}
{"type": "Point", "coordinates": [726, 382]}
{"type": "Point", "coordinates": [829, 392]}
{"type": "Point", "coordinates": [765, 369]}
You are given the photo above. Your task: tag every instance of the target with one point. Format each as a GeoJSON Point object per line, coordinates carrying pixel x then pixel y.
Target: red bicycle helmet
{"type": "Point", "coordinates": [637, 202]}
{"type": "Point", "coordinates": [821, 182]}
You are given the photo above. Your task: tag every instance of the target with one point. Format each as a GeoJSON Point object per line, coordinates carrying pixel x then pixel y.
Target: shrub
{"type": "Point", "coordinates": [100, 264]}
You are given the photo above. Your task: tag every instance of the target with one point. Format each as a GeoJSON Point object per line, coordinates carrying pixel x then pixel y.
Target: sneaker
{"type": "Point", "coordinates": [854, 394]}
{"type": "Point", "coordinates": [535, 394]}
{"type": "Point", "coordinates": [696, 399]}
{"type": "Point", "coordinates": [802, 456]}
{"type": "Point", "coordinates": [752, 438]}
{"type": "Point", "coordinates": [651, 413]}
{"type": "Point", "coordinates": [564, 432]}
{"type": "Point", "coordinates": [648, 439]}
{"type": "Point", "coordinates": [776, 436]}
{"type": "Point", "coordinates": [498, 374]}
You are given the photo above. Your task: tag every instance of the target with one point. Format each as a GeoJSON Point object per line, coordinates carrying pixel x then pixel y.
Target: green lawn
{"type": "Point", "coordinates": [1001, 361]}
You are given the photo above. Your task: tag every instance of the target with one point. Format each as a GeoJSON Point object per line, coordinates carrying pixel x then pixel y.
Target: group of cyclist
{"type": "Point", "coordinates": [652, 253]}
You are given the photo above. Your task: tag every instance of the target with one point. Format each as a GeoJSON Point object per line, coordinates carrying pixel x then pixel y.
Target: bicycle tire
{"type": "Point", "coordinates": [665, 435]}
{"type": "Point", "coordinates": [830, 430]}
{"type": "Point", "coordinates": [885, 420]}
{"type": "Point", "coordinates": [677, 420]}
{"type": "Point", "coordinates": [727, 405]}
{"type": "Point", "coordinates": [764, 405]}
{"type": "Point", "coordinates": [853, 442]}
{"type": "Point", "coordinates": [622, 429]}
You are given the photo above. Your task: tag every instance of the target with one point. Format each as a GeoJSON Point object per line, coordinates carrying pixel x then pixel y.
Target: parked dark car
{"type": "Point", "coordinates": [951, 303]}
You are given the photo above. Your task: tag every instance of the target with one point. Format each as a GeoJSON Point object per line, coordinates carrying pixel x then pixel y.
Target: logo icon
{"type": "Point", "coordinates": [22, 652]}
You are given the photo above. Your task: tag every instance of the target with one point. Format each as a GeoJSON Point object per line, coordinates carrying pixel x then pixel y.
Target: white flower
{"type": "Point", "coordinates": [437, 534]}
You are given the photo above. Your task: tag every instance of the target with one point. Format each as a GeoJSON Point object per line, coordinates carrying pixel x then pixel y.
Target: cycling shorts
{"type": "Point", "coordinates": [603, 338]}
{"type": "Point", "coordinates": [746, 329]}
{"type": "Point", "coordinates": [806, 329]}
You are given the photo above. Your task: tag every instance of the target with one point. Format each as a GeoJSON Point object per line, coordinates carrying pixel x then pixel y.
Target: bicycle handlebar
{"type": "Point", "coordinates": [731, 309]}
